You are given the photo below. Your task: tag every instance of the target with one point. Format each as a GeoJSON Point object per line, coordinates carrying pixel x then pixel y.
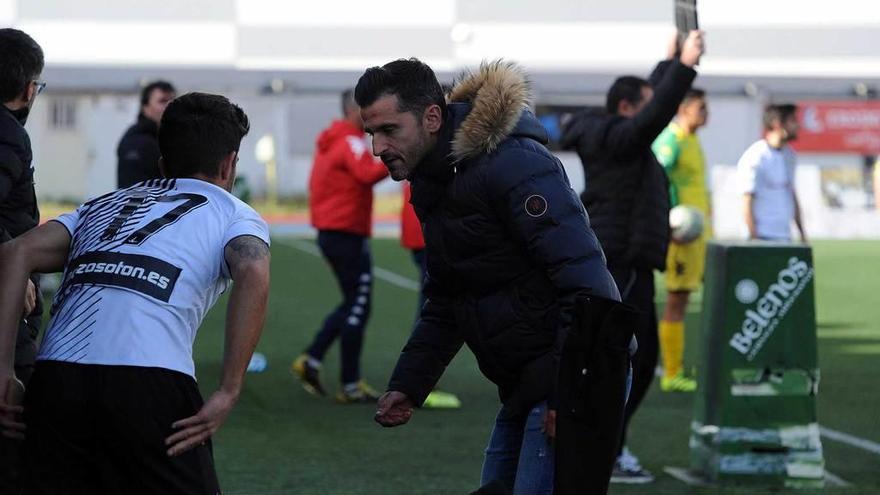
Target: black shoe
{"type": "Point", "coordinates": [309, 375]}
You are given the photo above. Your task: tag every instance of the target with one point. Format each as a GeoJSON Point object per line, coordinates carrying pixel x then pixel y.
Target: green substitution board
{"type": "Point", "coordinates": [755, 409]}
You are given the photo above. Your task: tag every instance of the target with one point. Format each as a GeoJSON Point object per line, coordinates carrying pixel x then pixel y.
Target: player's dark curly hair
{"type": "Point", "coordinates": [197, 131]}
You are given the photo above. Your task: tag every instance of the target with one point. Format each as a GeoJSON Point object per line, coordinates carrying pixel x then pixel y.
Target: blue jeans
{"type": "Point", "coordinates": [519, 454]}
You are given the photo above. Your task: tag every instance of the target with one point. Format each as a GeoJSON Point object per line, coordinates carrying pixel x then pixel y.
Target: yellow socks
{"type": "Point", "coordinates": [672, 347]}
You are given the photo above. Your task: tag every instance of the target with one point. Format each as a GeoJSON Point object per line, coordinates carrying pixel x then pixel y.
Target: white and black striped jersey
{"type": "Point", "coordinates": [146, 263]}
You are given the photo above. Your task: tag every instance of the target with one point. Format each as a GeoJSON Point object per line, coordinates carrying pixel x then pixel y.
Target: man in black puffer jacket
{"type": "Point", "coordinates": [627, 197]}
{"type": "Point", "coordinates": [138, 151]}
{"type": "Point", "coordinates": [508, 243]}
{"type": "Point", "coordinates": [21, 62]}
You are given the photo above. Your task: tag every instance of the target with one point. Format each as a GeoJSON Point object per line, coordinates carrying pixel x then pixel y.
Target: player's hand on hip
{"type": "Point", "coordinates": [693, 48]}
{"type": "Point", "coordinates": [11, 398]}
{"type": "Point", "coordinates": [394, 409]}
{"type": "Point", "coordinates": [196, 430]}
{"type": "Point", "coordinates": [30, 298]}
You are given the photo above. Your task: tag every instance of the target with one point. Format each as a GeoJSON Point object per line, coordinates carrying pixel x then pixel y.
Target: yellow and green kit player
{"type": "Point", "coordinates": [678, 150]}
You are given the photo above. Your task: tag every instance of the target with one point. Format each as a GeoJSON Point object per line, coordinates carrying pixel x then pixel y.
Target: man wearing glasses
{"type": "Point", "coordinates": [21, 62]}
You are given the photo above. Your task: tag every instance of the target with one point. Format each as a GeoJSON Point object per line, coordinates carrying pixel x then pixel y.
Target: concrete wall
{"type": "Point", "coordinates": [80, 162]}
{"type": "Point", "coordinates": [99, 52]}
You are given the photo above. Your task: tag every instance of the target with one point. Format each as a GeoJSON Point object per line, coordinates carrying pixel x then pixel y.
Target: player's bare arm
{"type": "Point", "coordinates": [798, 219]}
{"type": "Point", "coordinates": [43, 250]}
{"type": "Point", "coordinates": [248, 260]}
{"type": "Point", "coordinates": [749, 215]}
{"type": "Point", "coordinates": [30, 298]}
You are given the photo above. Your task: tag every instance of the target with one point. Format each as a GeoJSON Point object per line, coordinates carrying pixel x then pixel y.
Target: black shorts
{"type": "Point", "coordinates": [96, 429]}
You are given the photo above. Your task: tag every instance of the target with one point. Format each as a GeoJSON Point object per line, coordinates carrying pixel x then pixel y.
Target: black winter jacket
{"type": "Point", "coordinates": [138, 153]}
{"type": "Point", "coordinates": [508, 245]}
{"type": "Point", "coordinates": [626, 190]}
{"type": "Point", "coordinates": [18, 200]}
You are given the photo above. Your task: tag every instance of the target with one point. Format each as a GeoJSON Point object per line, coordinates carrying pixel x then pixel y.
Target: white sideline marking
{"type": "Point", "coordinates": [851, 440]}
{"type": "Point", "coordinates": [684, 475]}
{"type": "Point", "coordinates": [835, 480]}
{"type": "Point", "coordinates": [305, 247]}
{"type": "Point", "coordinates": [392, 278]}
{"type": "Point", "coordinates": [395, 279]}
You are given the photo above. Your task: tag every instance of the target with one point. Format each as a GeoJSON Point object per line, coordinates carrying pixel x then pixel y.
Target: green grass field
{"type": "Point", "coordinates": [281, 440]}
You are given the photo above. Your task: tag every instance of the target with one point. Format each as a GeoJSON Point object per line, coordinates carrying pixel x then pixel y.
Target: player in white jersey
{"type": "Point", "coordinates": [766, 178]}
{"type": "Point", "coordinates": [113, 405]}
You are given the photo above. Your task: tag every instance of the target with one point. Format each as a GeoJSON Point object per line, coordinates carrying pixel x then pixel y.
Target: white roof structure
{"type": "Point", "coordinates": [805, 46]}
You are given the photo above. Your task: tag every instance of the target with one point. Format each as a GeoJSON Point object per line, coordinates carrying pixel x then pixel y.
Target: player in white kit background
{"type": "Point", "coordinates": [113, 406]}
{"type": "Point", "coordinates": [766, 178]}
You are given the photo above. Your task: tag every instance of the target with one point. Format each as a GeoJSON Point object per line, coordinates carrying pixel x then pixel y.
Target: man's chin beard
{"type": "Point", "coordinates": [400, 175]}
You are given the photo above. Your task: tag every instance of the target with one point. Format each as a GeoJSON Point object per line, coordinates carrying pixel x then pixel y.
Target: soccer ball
{"type": "Point", "coordinates": [686, 223]}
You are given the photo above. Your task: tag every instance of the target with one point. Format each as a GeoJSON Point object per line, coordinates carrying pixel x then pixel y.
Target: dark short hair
{"type": "Point", "coordinates": [21, 61]}
{"type": "Point", "coordinates": [163, 86]}
{"type": "Point", "coordinates": [779, 112]}
{"type": "Point", "coordinates": [693, 94]}
{"type": "Point", "coordinates": [347, 100]}
{"type": "Point", "coordinates": [411, 80]}
{"type": "Point", "coordinates": [625, 88]}
{"type": "Point", "coordinates": [197, 131]}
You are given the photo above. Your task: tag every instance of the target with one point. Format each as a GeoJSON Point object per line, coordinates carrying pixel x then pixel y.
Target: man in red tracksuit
{"type": "Point", "coordinates": [341, 206]}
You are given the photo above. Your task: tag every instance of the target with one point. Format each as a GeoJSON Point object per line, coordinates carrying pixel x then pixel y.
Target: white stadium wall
{"type": "Point", "coordinates": [80, 162]}
{"type": "Point", "coordinates": [98, 54]}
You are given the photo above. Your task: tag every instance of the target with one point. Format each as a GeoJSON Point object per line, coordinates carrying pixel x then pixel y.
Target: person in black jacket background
{"type": "Point", "coordinates": [21, 62]}
{"type": "Point", "coordinates": [626, 195]}
{"type": "Point", "coordinates": [138, 150]}
{"type": "Point", "coordinates": [509, 249]}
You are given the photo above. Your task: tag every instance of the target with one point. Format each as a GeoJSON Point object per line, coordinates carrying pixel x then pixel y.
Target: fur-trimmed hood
{"type": "Point", "coordinates": [497, 93]}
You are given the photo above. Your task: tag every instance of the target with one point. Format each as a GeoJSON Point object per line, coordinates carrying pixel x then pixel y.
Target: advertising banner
{"type": "Point", "coordinates": [839, 127]}
{"type": "Point", "coordinates": [755, 409]}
